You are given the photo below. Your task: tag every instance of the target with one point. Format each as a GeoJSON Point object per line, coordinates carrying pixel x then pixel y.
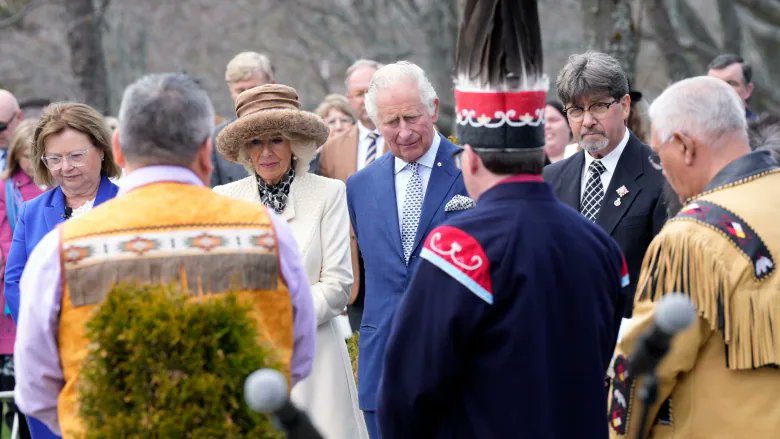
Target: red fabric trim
{"type": "Point", "coordinates": [488, 103]}
{"type": "Point", "coordinates": [523, 178]}
{"type": "Point", "coordinates": [463, 252]}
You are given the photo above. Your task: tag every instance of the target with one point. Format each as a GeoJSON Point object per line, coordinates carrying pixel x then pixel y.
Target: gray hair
{"type": "Point", "coordinates": [702, 105]}
{"type": "Point", "coordinates": [358, 64]}
{"type": "Point", "coordinates": [393, 74]}
{"type": "Point", "coordinates": [164, 119]}
{"type": "Point", "coordinates": [246, 64]}
{"type": "Point", "coordinates": [591, 73]}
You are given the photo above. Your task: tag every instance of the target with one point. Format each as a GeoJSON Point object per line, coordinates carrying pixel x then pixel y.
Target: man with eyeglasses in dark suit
{"type": "Point", "coordinates": [610, 181]}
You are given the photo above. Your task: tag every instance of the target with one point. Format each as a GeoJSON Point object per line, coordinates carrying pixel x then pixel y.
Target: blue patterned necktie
{"type": "Point", "coordinates": [594, 191]}
{"type": "Point", "coordinates": [410, 216]}
{"type": "Point", "coordinates": [371, 151]}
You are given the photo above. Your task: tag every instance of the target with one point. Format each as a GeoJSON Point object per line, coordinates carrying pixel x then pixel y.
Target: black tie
{"type": "Point", "coordinates": [594, 191]}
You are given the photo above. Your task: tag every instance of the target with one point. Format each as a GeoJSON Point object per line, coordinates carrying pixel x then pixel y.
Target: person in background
{"type": "Point", "coordinates": [337, 114]}
{"type": "Point", "coordinates": [556, 131]}
{"type": "Point", "coordinates": [721, 376]}
{"type": "Point", "coordinates": [246, 70]}
{"type": "Point", "coordinates": [11, 116]}
{"type": "Point", "coordinates": [167, 227]}
{"type": "Point", "coordinates": [610, 181]}
{"type": "Point", "coordinates": [17, 187]}
{"type": "Point", "coordinates": [393, 204]}
{"type": "Point", "coordinates": [72, 152]}
{"type": "Point", "coordinates": [737, 73]}
{"type": "Point", "coordinates": [347, 154]}
{"type": "Point", "coordinates": [274, 141]}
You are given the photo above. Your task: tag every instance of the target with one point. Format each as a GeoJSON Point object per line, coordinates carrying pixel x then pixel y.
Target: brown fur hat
{"type": "Point", "coordinates": [270, 108]}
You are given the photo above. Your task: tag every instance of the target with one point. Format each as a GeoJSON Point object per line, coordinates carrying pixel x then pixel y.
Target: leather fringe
{"type": "Point", "coordinates": [687, 263]}
{"type": "Point", "coordinates": [198, 274]}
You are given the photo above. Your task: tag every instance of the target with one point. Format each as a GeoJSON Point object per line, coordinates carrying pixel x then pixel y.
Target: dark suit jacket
{"type": "Point", "coordinates": [224, 171]}
{"type": "Point", "coordinates": [642, 211]}
{"type": "Point", "coordinates": [372, 210]}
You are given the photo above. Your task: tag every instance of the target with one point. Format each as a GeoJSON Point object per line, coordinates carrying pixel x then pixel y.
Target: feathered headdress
{"type": "Point", "coordinates": [500, 89]}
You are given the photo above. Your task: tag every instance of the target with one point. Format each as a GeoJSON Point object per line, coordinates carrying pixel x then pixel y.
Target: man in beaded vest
{"type": "Point", "coordinates": [720, 378]}
{"type": "Point", "coordinates": [165, 226]}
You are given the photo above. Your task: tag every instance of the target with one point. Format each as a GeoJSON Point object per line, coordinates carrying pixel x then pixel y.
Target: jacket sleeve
{"type": "Point", "coordinates": [624, 407]}
{"type": "Point", "coordinates": [434, 328]}
{"type": "Point", "coordinates": [331, 292]}
{"type": "Point", "coordinates": [17, 259]}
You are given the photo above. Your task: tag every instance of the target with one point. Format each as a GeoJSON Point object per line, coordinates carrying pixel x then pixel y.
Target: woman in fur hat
{"type": "Point", "coordinates": [275, 141]}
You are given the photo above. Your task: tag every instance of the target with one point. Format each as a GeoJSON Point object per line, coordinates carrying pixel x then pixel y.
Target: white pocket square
{"type": "Point", "coordinates": [459, 202]}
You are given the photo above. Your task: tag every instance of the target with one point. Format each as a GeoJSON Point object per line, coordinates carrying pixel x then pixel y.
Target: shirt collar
{"type": "Point", "coordinates": [156, 174]}
{"type": "Point", "coordinates": [363, 132]}
{"type": "Point", "coordinates": [610, 160]}
{"type": "Point", "coordinates": [427, 159]}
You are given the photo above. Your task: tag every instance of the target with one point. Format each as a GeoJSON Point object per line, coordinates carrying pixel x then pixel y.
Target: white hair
{"type": "Point", "coordinates": [393, 74]}
{"type": "Point", "coordinates": [702, 105]}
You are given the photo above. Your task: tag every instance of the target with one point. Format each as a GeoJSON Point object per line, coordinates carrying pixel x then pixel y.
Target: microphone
{"type": "Point", "coordinates": [674, 313]}
{"type": "Point", "coordinates": [68, 213]}
{"type": "Point", "coordinates": [265, 391]}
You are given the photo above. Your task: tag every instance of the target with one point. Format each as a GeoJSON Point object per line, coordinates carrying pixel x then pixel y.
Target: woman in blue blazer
{"type": "Point", "coordinates": [72, 151]}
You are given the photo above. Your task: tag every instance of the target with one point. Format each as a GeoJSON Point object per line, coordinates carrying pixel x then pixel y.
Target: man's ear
{"type": "Point", "coordinates": [203, 163]}
{"type": "Point", "coordinates": [749, 89]}
{"type": "Point", "coordinates": [472, 162]}
{"type": "Point", "coordinates": [435, 115]}
{"type": "Point", "coordinates": [687, 145]}
{"type": "Point", "coordinates": [116, 148]}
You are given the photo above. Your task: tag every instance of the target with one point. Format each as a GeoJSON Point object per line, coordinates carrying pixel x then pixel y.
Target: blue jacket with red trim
{"type": "Point", "coordinates": [508, 325]}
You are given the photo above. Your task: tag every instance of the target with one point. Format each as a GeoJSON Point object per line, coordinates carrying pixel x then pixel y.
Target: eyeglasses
{"type": "Point", "coordinates": [457, 156]}
{"type": "Point", "coordinates": [655, 161]}
{"type": "Point", "coordinates": [339, 120]}
{"type": "Point", "coordinates": [4, 125]}
{"type": "Point", "coordinates": [596, 110]}
{"type": "Point", "coordinates": [76, 159]}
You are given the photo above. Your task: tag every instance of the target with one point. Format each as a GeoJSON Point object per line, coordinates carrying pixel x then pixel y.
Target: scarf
{"type": "Point", "coordinates": [275, 196]}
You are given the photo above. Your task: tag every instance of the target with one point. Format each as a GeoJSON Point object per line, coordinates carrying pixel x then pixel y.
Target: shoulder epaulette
{"type": "Point", "coordinates": [460, 256]}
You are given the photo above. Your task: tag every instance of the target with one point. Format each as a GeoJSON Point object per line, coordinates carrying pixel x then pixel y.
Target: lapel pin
{"type": "Point", "coordinates": [621, 191]}
{"type": "Point", "coordinates": [438, 163]}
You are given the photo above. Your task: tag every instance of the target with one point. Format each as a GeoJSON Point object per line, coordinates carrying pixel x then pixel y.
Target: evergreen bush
{"type": "Point", "coordinates": [162, 366]}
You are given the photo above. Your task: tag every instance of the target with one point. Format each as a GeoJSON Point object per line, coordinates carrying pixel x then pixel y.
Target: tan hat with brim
{"type": "Point", "coordinates": [270, 108]}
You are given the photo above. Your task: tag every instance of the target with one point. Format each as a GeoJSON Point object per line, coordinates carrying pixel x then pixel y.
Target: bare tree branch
{"type": "Point", "coordinates": [668, 41]}
{"type": "Point", "coordinates": [19, 15]}
{"type": "Point", "coordinates": [765, 10]}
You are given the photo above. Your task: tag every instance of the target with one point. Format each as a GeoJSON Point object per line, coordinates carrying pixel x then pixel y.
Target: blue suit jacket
{"type": "Point", "coordinates": [36, 218]}
{"type": "Point", "coordinates": [372, 210]}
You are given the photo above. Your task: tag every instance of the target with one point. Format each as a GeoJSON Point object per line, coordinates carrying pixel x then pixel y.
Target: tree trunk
{"type": "Point", "coordinates": [609, 26]}
{"type": "Point", "coordinates": [87, 59]}
{"type": "Point", "coordinates": [678, 67]}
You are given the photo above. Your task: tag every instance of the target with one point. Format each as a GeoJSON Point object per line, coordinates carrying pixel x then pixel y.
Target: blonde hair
{"type": "Point", "coordinates": [336, 101]}
{"type": "Point", "coordinates": [22, 138]}
{"type": "Point", "coordinates": [80, 117]}
{"type": "Point", "coordinates": [246, 64]}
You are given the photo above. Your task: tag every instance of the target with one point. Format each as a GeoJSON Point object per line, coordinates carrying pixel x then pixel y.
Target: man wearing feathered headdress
{"type": "Point", "coordinates": [499, 334]}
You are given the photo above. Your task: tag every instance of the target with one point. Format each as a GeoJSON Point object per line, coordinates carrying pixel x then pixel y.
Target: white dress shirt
{"type": "Point", "coordinates": [403, 174]}
{"type": "Point", "coordinates": [364, 141]}
{"type": "Point", "coordinates": [609, 161]}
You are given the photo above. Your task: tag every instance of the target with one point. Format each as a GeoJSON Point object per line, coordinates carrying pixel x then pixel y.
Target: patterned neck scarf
{"type": "Point", "coordinates": [275, 196]}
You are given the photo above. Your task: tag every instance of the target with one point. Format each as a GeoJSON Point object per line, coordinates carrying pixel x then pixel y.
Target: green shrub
{"type": "Point", "coordinates": [162, 367]}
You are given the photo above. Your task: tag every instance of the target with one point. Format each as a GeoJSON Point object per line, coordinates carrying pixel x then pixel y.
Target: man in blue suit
{"type": "Point", "coordinates": [394, 203]}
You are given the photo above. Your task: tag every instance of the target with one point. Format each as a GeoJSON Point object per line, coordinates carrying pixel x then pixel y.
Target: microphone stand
{"type": "Point", "coordinates": [647, 394]}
